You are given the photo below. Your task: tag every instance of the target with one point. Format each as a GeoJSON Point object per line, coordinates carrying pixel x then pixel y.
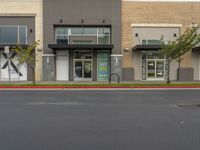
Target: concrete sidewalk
{"type": "Point", "coordinates": [97, 82]}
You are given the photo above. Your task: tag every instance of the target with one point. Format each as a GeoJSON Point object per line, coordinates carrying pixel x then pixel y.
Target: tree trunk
{"type": "Point", "coordinates": [179, 66]}
{"type": "Point", "coordinates": [168, 73]}
{"type": "Point", "coordinates": [33, 75]}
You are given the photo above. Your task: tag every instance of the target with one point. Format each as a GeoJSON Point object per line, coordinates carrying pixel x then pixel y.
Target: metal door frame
{"type": "Point", "coordinates": [155, 77]}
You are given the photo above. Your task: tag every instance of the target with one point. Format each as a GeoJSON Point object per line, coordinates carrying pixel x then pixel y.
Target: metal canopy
{"type": "Point", "coordinates": [79, 47]}
{"type": "Point", "coordinates": [146, 47]}
{"type": "Point", "coordinates": [196, 49]}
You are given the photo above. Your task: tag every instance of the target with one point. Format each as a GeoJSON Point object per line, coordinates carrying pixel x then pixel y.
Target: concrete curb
{"type": "Point", "coordinates": [99, 87]}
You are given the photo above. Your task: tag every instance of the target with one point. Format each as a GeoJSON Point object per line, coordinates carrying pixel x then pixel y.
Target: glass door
{"type": "Point", "coordinates": [87, 69]}
{"type": "Point", "coordinates": [160, 65]}
{"type": "Point", "coordinates": [83, 65]}
{"type": "Point", "coordinates": [151, 67]}
{"type": "Point", "coordinates": [155, 69]}
{"type": "Point", "coordinates": [83, 69]}
{"type": "Point", "coordinates": [78, 69]}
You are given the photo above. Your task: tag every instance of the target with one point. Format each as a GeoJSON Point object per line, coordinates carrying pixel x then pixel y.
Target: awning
{"type": "Point", "coordinates": [196, 49]}
{"type": "Point", "coordinates": [146, 47]}
{"type": "Point", "coordinates": [80, 47]}
{"type": "Point", "coordinates": [12, 46]}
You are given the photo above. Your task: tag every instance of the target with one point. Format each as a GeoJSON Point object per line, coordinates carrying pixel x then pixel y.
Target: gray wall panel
{"type": "Point", "coordinates": [49, 68]}
{"type": "Point", "coordinates": [195, 65]}
{"type": "Point", "coordinates": [23, 21]}
{"type": "Point", "coordinates": [71, 66]}
{"type": "Point", "coordinates": [92, 11]}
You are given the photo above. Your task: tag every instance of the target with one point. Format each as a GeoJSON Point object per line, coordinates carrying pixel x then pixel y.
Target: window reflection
{"type": "Point", "coordinates": [13, 34]}
{"type": "Point", "coordinates": [86, 35]}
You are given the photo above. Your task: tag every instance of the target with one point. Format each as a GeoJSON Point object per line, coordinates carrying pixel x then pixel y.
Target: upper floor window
{"type": "Point", "coordinates": [79, 35]}
{"type": "Point", "coordinates": [13, 34]}
{"type": "Point", "coordinates": [151, 42]}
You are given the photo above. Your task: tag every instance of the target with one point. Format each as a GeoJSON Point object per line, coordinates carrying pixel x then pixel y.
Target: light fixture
{"type": "Point", "coordinates": [126, 49]}
{"type": "Point", "coordinates": [175, 35]}
{"type": "Point", "coordinates": [30, 30]}
{"type": "Point", "coordinates": [136, 35]}
{"type": "Point", "coordinates": [61, 20]}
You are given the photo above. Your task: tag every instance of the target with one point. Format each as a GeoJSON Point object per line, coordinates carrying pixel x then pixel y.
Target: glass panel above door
{"type": "Point", "coordinates": [83, 35]}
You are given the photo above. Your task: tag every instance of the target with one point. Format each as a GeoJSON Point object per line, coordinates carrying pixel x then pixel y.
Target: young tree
{"type": "Point", "coordinates": [174, 50]}
{"type": "Point", "coordinates": [27, 55]}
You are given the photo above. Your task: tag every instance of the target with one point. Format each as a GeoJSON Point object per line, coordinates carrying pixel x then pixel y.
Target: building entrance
{"type": "Point", "coordinates": [155, 69]}
{"type": "Point", "coordinates": [83, 65]}
{"type": "Point", "coordinates": [153, 66]}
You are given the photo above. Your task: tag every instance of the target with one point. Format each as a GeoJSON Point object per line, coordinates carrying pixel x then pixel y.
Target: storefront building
{"type": "Point", "coordinates": [82, 40]}
{"type": "Point", "coordinates": [143, 26]}
{"type": "Point", "coordinates": [21, 23]}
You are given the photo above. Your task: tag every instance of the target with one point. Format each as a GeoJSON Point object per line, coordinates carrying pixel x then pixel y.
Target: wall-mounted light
{"type": "Point", "coordinates": [103, 21]}
{"type": "Point", "coordinates": [175, 35]}
{"type": "Point", "coordinates": [136, 34]}
{"type": "Point", "coordinates": [61, 21]}
{"type": "Point", "coordinates": [126, 49]}
{"type": "Point", "coordinates": [82, 21]}
{"type": "Point", "coordinates": [30, 30]}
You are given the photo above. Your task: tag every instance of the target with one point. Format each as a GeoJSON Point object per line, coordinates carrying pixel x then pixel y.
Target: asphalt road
{"type": "Point", "coordinates": [100, 120]}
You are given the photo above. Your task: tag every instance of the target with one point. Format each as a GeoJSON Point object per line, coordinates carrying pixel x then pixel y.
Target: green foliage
{"type": "Point", "coordinates": [173, 50]}
{"type": "Point", "coordinates": [26, 55]}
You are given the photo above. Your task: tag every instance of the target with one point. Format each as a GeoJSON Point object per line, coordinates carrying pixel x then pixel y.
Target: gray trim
{"type": "Point", "coordinates": [94, 71]}
{"type": "Point", "coordinates": [18, 15]}
{"type": "Point", "coordinates": [11, 46]}
{"type": "Point", "coordinates": [71, 65]}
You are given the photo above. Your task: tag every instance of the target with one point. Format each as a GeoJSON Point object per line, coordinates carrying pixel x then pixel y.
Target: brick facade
{"type": "Point", "coordinates": [174, 13]}
{"type": "Point", "coordinates": [184, 13]}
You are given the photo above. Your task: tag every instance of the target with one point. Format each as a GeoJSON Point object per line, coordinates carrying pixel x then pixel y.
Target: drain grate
{"type": "Point", "coordinates": [188, 105]}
